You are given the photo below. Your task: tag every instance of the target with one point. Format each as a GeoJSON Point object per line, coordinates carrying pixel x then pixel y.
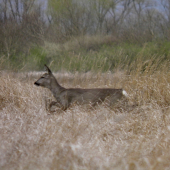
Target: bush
{"type": "Point", "coordinates": [90, 55]}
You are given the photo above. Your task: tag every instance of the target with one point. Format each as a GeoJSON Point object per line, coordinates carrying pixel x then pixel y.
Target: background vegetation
{"type": "Point", "coordinates": [82, 35]}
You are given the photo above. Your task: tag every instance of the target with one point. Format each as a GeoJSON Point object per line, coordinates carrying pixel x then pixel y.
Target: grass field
{"type": "Point", "coordinates": [130, 135]}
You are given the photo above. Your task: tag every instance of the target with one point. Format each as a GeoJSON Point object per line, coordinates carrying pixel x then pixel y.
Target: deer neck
{"type": "Point", "coordinates": [55, 87]}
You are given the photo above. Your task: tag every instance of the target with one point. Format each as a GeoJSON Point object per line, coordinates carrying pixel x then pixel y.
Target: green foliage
{"type": "Point", "coordinates": [58, 6]}
{"type": "Point", "coordinates": [107, 57]}
{"type": "Point", "coordinates": [102, 5]}
{"type": "Point", "coordinates": [164, 49]}
{"type": "Point", "coordinates": [93, 54]}
{"type": "Point", "coordinates": [36, 58]}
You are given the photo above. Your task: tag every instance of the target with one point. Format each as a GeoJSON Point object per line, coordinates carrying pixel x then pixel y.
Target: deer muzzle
{"type": "Point", "coordinates": [37, 84]}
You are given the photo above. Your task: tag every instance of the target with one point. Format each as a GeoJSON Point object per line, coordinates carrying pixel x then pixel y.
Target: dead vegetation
{"type": "Point", "coordinates": [133, 136]}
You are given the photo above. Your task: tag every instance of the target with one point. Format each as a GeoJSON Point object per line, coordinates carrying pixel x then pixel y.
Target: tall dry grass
{"type": "Point", "coordinates": [133, 135]}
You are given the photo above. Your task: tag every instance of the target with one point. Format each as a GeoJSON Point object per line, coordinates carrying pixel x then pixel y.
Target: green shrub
{"type": "Point", "coordinates": [77, 55]}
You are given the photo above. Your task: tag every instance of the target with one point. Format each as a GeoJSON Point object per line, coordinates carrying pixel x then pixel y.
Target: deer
{"type": "Point", "coordinates": [66, 96]}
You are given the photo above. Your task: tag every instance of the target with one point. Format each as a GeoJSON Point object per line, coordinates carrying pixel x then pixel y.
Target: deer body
{"type": "Point", "coordinates": [65, 97]}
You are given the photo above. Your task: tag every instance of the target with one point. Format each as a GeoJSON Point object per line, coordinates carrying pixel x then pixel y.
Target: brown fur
{"type": "Point", "coordinates": [65, 97]}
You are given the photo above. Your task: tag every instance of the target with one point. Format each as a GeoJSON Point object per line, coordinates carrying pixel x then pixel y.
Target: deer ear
{"type": "Point", "coordinates": [49, 71]}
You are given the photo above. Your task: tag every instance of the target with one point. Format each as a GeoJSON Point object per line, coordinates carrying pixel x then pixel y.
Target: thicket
{"type": "Point", "coordinates": [83, 35]}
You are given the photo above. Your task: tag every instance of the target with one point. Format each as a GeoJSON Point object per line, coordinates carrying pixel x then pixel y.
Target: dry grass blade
{"type": "Point", "coordinates": [131, 136]}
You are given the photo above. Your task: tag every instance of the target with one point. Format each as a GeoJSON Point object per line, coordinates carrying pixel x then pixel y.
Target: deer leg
{"type": "Point", "coordinates": [65, 104]}
{"type": "Point", "coordinates": [65, 101]}
{"type": "Point", "coordinates": [54, 103]}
